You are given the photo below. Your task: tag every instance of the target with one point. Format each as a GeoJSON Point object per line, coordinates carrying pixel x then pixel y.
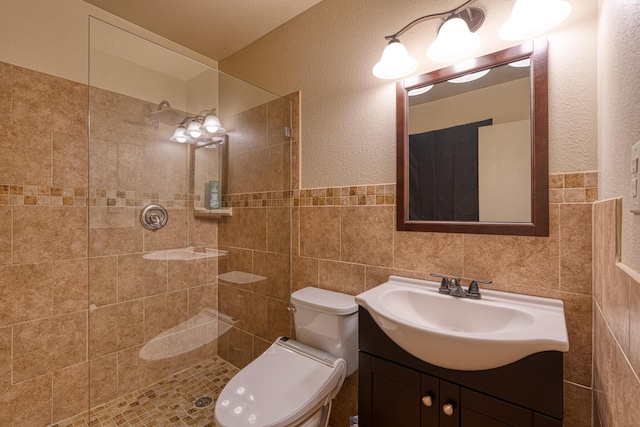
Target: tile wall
{"type": "Point", "coordinates": [616, 319]}
{"type": "Point", "coordinates": [58, 232]}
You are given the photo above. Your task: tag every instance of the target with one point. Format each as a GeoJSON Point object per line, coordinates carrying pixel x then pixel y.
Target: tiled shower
{"type": "Point", "coordinates": [95, 308]}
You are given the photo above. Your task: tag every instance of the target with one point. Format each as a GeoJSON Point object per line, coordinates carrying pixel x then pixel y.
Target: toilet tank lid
{"type": "Point", "coordinates": [325, 301]}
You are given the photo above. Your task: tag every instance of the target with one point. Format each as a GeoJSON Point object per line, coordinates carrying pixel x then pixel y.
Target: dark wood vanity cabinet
{"type": "Point", "coordinates": [399, 390]}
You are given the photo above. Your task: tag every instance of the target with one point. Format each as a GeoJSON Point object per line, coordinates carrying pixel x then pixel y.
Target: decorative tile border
{"type": "Point", "coordinates": [578, 187]}
{"type": "Point", "coordinates": [34, 195]}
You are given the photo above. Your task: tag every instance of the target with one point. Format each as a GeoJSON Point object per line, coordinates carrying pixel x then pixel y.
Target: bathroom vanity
{"type": "Point", "coordinates": [398, 389]}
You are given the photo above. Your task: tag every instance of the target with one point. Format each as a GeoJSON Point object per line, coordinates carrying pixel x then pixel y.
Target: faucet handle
{"type": "Point", "coordinates": [444, 284]}
{"type": "Point", "coordinates": [473, 291]}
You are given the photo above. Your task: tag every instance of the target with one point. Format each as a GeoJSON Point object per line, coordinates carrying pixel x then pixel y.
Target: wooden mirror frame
{"type": "Point", "coordinates": [539, 225]}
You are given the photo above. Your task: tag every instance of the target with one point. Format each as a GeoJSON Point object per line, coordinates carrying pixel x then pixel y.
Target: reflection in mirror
{"type": "Point", "coordinates": [207, 175]}
{"type": "Point", "coordinates": [472, 146]}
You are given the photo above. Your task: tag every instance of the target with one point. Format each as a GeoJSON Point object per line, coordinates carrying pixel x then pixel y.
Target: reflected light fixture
{"type": "Point", "coordinates": [420, 90]}
{"type": "Point", "coordinates": [456, 37]}
{"type": "Point", "coordinates": [531, 18]}
{"type": "Point", "coordinates": [200, 128]}
{"type": "Point", "coordinates": [470, 77]}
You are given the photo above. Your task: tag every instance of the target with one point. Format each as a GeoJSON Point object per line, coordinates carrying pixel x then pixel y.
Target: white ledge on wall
{"type": "Point", "coordinates": [214, 213]}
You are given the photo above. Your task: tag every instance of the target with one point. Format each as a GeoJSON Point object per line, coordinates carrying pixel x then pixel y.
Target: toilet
{"type": "Point", "coordinates": [293, 382]}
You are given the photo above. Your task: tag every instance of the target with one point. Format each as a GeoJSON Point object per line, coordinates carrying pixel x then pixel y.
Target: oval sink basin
{"type": "Point", "coordinates": [462, 333]}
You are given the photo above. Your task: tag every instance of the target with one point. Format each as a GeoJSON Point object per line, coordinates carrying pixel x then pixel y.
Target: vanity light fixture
{"type": "Point", "coordinates": [202, 127]}
{"type": "Point", "coordinates": [420, 90]}
{"type": "Point", "coordinates": [457, 40]}
{"type": "Point", "coordinates": [531, 18]}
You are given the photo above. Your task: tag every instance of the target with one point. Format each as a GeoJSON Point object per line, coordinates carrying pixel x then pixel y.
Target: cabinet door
{"type": "Point", "coordinates": [480, 410]}
{"type": "Point", "coordinates": [449, 404]}
{"type": "Point", "coordinates": [395, 395]}
{"type": "Point", "coordinates": [430, 399]}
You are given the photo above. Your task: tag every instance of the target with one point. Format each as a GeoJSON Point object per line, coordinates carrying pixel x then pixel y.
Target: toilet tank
{"type": "Point", "coordinates": [328, 321]}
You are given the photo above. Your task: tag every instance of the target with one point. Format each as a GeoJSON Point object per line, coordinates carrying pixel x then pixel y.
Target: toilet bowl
{"type": "Point", "coordinates": [293, 383]}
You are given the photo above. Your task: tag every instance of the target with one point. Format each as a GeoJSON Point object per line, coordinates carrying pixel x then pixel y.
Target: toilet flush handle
{"type": "Point", "coordinates": [292, 309]}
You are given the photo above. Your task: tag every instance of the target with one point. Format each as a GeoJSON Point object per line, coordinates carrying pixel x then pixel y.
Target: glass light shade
{"type": "Point", "coordinates": [526, 62]}
{"type": "Point", "coordinates": [470, 77]}
{"type": "Point", "coordinates": [212, 124]}
{"type": "Point", "coordinates": [180, 135]}
{"type": "Point", "coordinates": [531, 18]}
{"type": "Point", "coordinates": [454, 42]}
{"type": "Point", "coordinates": [194, 129]}
{"type": "Point", "coordinates": [420, 90]}
{"type": "Point", "coordinates": [395, 62]}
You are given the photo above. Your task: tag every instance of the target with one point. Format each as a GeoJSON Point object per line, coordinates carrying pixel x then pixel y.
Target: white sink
{"type": "Point", "coordinates": [462, 333]}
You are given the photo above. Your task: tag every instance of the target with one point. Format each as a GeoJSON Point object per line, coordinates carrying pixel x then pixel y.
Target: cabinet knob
{"type": "Point", "coordinates": [448, 409]}
{"type": "Point", "coordinates": [427, 401]}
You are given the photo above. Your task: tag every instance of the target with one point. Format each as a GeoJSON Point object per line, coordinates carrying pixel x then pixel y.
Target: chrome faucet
{"type": "Point", "coordinates": [452, 287]}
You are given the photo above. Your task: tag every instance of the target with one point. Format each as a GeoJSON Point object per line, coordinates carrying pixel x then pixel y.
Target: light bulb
{"type": "Point", "coordinates": [180, 135]}
{"type": "Point", "coordinates": [194, 129]}
{"type": "Point", "coordinates": [454, 42]}
{"type": "Point", "coordinates": [395, 62]}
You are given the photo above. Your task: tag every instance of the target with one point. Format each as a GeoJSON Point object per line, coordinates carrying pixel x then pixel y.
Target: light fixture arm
{"type": "Point", "coordinates": [442, 15]}
{"type": "Point", "coordinates": [200, 116]}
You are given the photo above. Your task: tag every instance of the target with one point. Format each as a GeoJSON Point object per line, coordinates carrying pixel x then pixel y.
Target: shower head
{"type": "Point", "coordinates": [164, 114]}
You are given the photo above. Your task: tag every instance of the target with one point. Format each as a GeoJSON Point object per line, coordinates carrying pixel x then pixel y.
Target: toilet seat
{"type": "Point", "coordinates": [280, 387]}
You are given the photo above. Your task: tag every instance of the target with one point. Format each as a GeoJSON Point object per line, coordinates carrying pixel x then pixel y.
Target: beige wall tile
{"type": "Point", "coordinates": [346, 402]}
{"type": "Point", "coordinates": [634, 325]}
{"type": "Point", "coordinates": [187, 273]}
{"type": "Point", "coordinates": [604, 353]}
{"type": "Point", "coordinates": [260, 346]}
{"type": "Point", "coordinates": [576, 248]}
{"type": "Point", "coordinates": [114, 241]}
{"type": "Point", "coordinates": [515, 260]}
{"type": "Point", "coordinates": [202, 232]}
{"type": "Point", "coordinates": [103, 280]}
{"type": "Point", "coordinates": [305, 273]}
{"type": "Point", "coordinates": [248, 308]}
{"type": "Point", "coordinates": [278, 117]}
{"type": "Point", "coordinates": [70, 159]}
{"type": "Point", "coordinates": [320, 232]}
{"type": "Point", "coordinates": [165, 313]}
{"type": "Point", "coordinates": [5, 89]}
{"type": "Point", "coordinates": [577, 404]}
{"type": "Point", "coordinates": [578, 361]}
{"type": "Point", "coordinates": [139, 277]}
{"type": "Point", "coordinates": [429, 252]}
{"type": "Point", "coordinates": [574, 180]}
{"type": "Point", "coordinates": [27, 403]}
{"type": "Point", "coordinates": [116, 327]}
{"type": "Point", "coordinates": [48, 233]}
{"type": "Point", "coordinates": [175, 159]}
{"type": "Point", "coordinates": [247, 228]}
{"type": "Point", "coordinates": [112, 216]}
{"type": "Point", "coordinates": [25, 159]}
{"type": "Point", "coordinates": [25, 293]}
{"type": "Point", "coordinates": [367, 235]}
{"type": "Point", "coordinates": [275, 267]}
{"type": "Point", "coordinates": [103, 164]}
{"type": "Point", "coordinates": [203, 299]}
{"type": "Point", "coordinates": [141, 168]}
{"type": "Point", "coordinates": [279, 319]}
{"type": "Point", "coordinates": [48, 100]}
{"type": "Point", "coordinates": [615, 306]}
{"type": "Point", "coordinates": [6, 362]}
{"type": "Point", "coordinates": [103, 379]}
{"type": "Point", "coordinates": [6, 221]}
{"type": "Point", "coordinates": [49, 344]}
{"type": "Point", "coordinates": [173, 235]}
{"type": "Point", "coordinates": [341, 277]}
{"type": "Point", "coordinates": [247, 130]}
{"type": "Point", "coordinates": [266, 166]}
{"type": "Point", "coordinates": [240, 348]}
{"type": "Point", "coordinates": [237, 260]}
{"type": "Point", "coordinates": [278, 230]}
{"type": "Point", "coordinates": [135, 372]}
{"type": "Point", "coordinates": [598, 251]}
{"type": "Point", "coordinates": [70, 287]}
{"type": "Point", "coordinates": [70, 391]}
{"type": "Point", "coordinates": [377, 275]}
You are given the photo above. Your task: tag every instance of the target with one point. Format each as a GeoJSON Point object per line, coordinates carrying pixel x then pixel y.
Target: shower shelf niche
{"type": "Point", "coordinates": [214, 213]}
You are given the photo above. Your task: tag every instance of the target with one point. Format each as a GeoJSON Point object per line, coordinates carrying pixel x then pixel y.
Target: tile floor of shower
{"type": "Point", "coordinates": [168, 402]}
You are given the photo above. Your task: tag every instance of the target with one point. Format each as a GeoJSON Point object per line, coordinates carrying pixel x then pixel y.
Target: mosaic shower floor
{"type": "Point", "coordinates": [168, 402]}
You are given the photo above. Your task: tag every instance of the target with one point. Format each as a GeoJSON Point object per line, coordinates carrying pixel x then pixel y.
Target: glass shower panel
{"type": "Point", "coordinates": [175, 310]}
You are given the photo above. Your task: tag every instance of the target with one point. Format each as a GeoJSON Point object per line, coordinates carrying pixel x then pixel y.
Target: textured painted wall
{"type": "Point", "coordinates": [619, 115]}
{"type": "Point", "coordinates": [349, 115]}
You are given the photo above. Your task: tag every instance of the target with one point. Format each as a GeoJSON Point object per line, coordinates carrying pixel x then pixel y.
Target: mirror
{"type": "Point", "coordinates": [472, 154]}
{"type": "Point", "coordinates": [208, 175]}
